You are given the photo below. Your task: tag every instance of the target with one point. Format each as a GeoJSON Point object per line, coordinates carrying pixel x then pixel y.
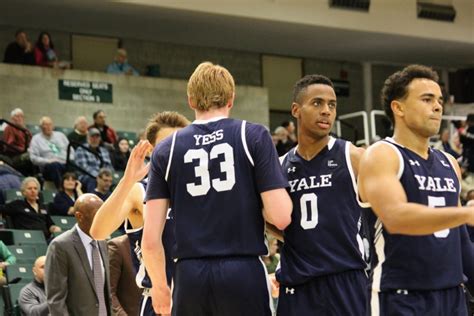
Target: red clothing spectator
{"type": "Point", "coordinates": [107, 133]}
{"type": "Point", "coordinates": [44, 51]}
{"type": "Point", "coordinates": [16, 139]}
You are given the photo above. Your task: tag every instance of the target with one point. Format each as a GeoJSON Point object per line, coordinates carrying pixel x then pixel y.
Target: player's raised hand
{"type": "Point", "coordinates": [161, 298]}
{"type": "Point", "coordinates": [136, 168]}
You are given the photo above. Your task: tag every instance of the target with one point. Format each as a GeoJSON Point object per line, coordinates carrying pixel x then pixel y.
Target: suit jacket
{"type": "Point", "coordinates": [69, 281]}
{"type": "Point", "coordinates": [124, 289]}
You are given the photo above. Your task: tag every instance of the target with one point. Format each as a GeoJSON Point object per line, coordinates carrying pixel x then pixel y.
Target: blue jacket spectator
{"type": "Point", "coordinates": [121, 65]}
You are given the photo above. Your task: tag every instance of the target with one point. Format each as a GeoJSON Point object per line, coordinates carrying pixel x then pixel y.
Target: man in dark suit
{"type": "Point", "coordinates": [125, 292]}
{"type": "Point", "coordinates": [77, 267]}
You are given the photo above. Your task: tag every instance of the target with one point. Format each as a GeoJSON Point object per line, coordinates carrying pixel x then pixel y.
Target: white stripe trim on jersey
{"type": "Point", "coordinates": [454, 169]}
{"type": "Point", "coordinates": [244, 142]}
{"type": "Point", "coordinates": [347, 153]}
{"type": "Point", "coordinates": [141, 273]}
{"type": "Point", "coordinates": [269, 286]}
{"type": "Point", "coordinates": [131, 230]}
{"type": "Point", "coordinates": [142, 308]}
{"type": "Point", "coordinates": [214, 119]}
{"type": "Point", "coordinates": [171, 156]}
{"type": "Point", "coordinates": [379, 242]}
{"type": "Point", "coordinates": [391, 142]}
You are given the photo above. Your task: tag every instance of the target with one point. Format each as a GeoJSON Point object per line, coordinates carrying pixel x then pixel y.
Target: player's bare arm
{"type": "Point", "coordinates": [277, 207]}
{"type": "Point", "coordinates": [356, 155]}
{"type": "Point", "coordinates": [126, 197]}
{"type": "Point", "coordinates": [379, 185]}
{"type": "Point", "coordinates": [154, 254]}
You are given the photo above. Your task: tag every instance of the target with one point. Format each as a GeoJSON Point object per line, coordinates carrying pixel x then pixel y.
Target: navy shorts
{"type": "Point", "coordinates": [335, 294]}
{"type": "Point", "coordinates": [230, 286]}
{"type": "Point", "coordinates": [146, 306]}
{"type": "Point", "coordinates": [446, 302]}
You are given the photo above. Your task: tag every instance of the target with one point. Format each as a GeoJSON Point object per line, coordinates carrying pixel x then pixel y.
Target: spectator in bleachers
{"type": "Point", "coordinates": [444, 143]}
{"type": "Point", "coordinates": [32, 299]}
{"type": "Point", "coordinates": [9, 179]}
{"type": "Point", "coordinates": [104, 182]}
{"type": "Point", "coordinates": [467, 140]}
{"type": "Point", "coordinates": [108, 135]}
{"type": "Point", "coordinates": [29, 213]}
{"type": "Point", "coordinates": [121, 154]}
{"type": "Point", "coordinates": [125, 292]}
{"type": "Point", "coordinates": [291, 129]}
{"type": "Point", "coordinates": [79, 134]}
{"type": "Point", "coordinates": [283, 141]}
{"type": "Point", "coordinates": [48, 151]}
{"type": "Point", "coordinates": [121, 65]}
{"type": "Point", "coordinates": [20, 51]}
{"type": "Point", "coordinates": [18, 142]}
{"type": "Point", "coordinates": [45, 55]}
{"type": "Point", "coordinates": [470, 196]}
{"type": "Point", "coordinates": [6, 258]}
{"type": "Point", "coordinates": [71, 190]}
{"type": "Point", "coordinates": [90, 162]}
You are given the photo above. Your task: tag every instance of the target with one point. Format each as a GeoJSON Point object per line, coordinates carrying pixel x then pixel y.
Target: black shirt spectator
{"type": "Point", "coordinates": [121, 154]}
{"type": "Point", "coordinates": [20, 51]}
{"type": "Point", "coordinates": [467, 140]}
{"type": "Point", "coordinates": [71, 189]}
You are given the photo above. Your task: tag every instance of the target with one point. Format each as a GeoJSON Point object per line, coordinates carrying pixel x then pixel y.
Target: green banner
{"type": "Point", "coordinates": [85, 91]}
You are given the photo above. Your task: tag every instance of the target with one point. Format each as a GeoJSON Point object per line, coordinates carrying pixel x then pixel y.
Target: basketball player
{"type": "Point", "coordinates": [414, 192]}
{"type": "Point", "coordinates": [322, 266]}
{"type": "Point", "coordinates": [216, 174]}
{"type": "Point", "coordinates": [127, 200]}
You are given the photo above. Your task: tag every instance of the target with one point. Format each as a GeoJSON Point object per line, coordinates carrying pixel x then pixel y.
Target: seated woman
{"type": "Point", "coordinates": [71, 189]}
{"type": "Point", "coordinates": [121, 154]}
{"type": "Point", "coordinates": [29, 213]}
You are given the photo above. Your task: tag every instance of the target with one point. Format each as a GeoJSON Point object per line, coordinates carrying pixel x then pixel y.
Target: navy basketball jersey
{"type": "Point", "coordinates": [135, 239]}
{"type": "Point", "coordinates": [323, 237]}
{"type": "Point", "coordinates": [431, 262]}
{"type": "Point", "coordinates": [213, 173]}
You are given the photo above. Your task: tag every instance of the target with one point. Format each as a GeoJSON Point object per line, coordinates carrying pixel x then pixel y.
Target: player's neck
{"type": "Point", "coordinates": [212, 113]}
{"type": "Point", "coordinates": [309, 147]}
{"type": "Point", "coordinates": [412, 141]}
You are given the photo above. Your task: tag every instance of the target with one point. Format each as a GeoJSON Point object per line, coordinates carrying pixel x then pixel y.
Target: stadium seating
{"type": "Point", "coordinates": [64, 222]}
{"type": "Point", "coordinates": [131, 136]}
{"type": "Point", "coordinates": [23, 254]}
{"type": "Point", "coordinates": [34, 129]}
{"type": "Point", "coordinates": [12, 195]}
{"type": "Point", "coordinates": [26, 237]}
{"type": "Point", "coordinates": [20, 270]}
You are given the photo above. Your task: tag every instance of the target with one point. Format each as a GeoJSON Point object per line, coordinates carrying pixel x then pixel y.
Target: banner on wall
{"type": "Point", "coordinates": [85, 91]}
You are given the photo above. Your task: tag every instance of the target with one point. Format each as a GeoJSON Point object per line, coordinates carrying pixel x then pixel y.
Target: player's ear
{"type": "Point", "coordinates": [191, 103]}
{"type": "Point", "coordinates": [295, 110]}
{"type": "Point", "coordinates": [398, 108]}
{"type": "Point", "coordinates": [231, 101]}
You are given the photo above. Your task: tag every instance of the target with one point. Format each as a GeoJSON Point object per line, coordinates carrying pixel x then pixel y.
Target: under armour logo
{"type": "Point", "coordinates": [288, 290]}
{"type": "Point", "coordinates": [292, 169]}
{"type": "Point", "coordinates": [414, 163]}
{"type": "Point", "coordinates": [444, 163]}
{"type": "Point", "coordinates": [332, 164]}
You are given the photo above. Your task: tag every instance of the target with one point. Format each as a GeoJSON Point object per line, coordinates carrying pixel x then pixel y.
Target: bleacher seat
{"type": "Point", "coordinates": [65, 130]}
{"type": "Point", "coordinates": [6, 235]}
{"type": "Point", "coordinates": [116, 176]}
{"type": "Point", "coordinates": [131, 136]}
{"type": "Point", "coordinates": [23, 254]}
{"type": "Point", "coordinates": [116, 233]}
{"type": "Point", "coordinates": [41, 249]}
{"type": "Point", "coordinates": [48, 196]}
{"type": "Point", "coordinates": [20, 270]}
{"type": "Point", "coordinates": [12, 195]}
{"type": "Point", "coordinates": [34, 129]}
{"type": "Point", "coordinates": [27, 237]}
{"type": "Point", "coordinates": [64, 222]}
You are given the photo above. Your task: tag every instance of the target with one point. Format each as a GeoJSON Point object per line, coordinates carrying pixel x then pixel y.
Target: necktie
{"type": "Point", "coordinates": [98, 278]}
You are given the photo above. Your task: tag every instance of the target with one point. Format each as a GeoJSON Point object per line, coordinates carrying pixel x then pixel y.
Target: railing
{"type": "Point", "coordinates": [11, 149]}
{"type": "Point", "coordinates": [365, 123]}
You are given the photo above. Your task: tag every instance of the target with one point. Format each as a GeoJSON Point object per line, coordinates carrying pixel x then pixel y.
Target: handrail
{"type": "Point", "coordinates": [373, 133]}
{"type": "Point", "coordinates": [364, 122]}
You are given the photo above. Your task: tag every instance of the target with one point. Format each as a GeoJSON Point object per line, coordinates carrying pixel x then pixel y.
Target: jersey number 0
{"type": "Point", "coordinates": [202, 169]}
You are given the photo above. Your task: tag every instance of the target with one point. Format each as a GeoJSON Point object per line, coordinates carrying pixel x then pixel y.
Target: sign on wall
{"type": "Point", "coordinates": [85, 91]}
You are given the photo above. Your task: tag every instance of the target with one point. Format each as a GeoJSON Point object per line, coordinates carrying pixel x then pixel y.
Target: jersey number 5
{"type": "Point", "coordinates": [311, 200]}
{"type": "Point", "coordinates": [434, 201]}
{"type": "Point", "coordinates": [202, 169]}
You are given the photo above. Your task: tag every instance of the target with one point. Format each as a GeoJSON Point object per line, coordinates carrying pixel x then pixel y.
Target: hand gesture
{"type": "Point", "coordinates": [136, 168]}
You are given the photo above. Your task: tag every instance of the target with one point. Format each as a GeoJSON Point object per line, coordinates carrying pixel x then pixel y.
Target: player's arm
{"type": "Point", "coordinates": [356, 154]}
{"type": "Point", "coordinates": [277, 207]}
{"type": "Point", "coordinates": [154, 254]}
{"type": "Point", "coordinates": [379, 185]}
{"type": "Point", "coordinates": [125, 196]}
{"type": "Point", "coordinates": [275, 232]}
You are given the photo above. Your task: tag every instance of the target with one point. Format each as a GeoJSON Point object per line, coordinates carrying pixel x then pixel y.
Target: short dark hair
{"type": "Point", "coordinates": [470, 119]}
{"type": "Point", "coordinates": [309, 80]}
{"type": "Point", "coordinates": [104, 172]}
{"type": "Point", "coordinates": [395, 86]}
{"type": "Point", "coordinates": [96, 113]}
{"type": "Point", "coordinates": [19, 31]}
{"type": "Point", "coordinates": [164, 119]}
{"type": "Point", "coordinates": [285, 124]}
